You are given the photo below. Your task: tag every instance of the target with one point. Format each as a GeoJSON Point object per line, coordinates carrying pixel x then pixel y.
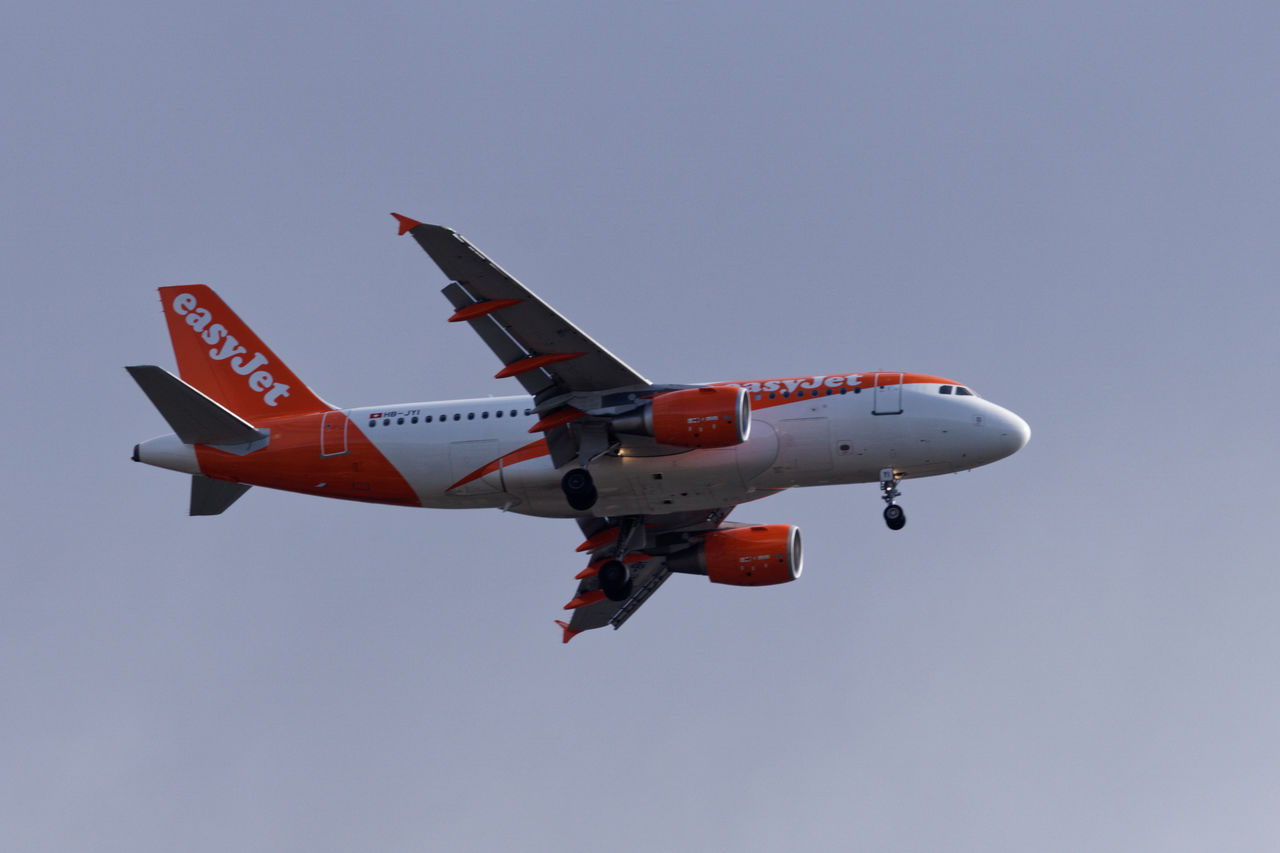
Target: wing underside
{"type": "Point", "coordinates": [645, 552]}
{"type": "Point", "coordinates": [546, 353]}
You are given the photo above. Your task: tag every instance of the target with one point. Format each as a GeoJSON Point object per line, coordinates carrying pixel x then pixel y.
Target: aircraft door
{"type": "Point", "coordinates": [888, 394]}
{"type": "Point", "coordinates": [333, 433]}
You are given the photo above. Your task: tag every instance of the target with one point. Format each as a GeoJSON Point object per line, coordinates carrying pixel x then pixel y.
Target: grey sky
{"type": "Point", "coordinates": [1072, 209]}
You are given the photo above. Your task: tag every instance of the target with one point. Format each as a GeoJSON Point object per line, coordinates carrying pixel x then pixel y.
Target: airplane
{"type": "Point", "coordinates": [649, 471]}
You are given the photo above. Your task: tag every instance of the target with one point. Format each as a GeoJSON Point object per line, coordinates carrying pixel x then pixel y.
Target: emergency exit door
{"type": "Point", "coordinates": [888, 394]}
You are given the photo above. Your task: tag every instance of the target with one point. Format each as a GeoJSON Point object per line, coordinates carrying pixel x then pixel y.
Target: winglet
{"type": "Point", "coordinates": [569, 633]}
{"type": "Point", "coordinates": [406, 224]}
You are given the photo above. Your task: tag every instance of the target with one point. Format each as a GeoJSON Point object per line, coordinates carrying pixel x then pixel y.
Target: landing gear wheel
{"type": "Point", "coordinates": [893, 514]}
{"type": "Point", "coordinates": [615, 580]}
{"type": "Point", "coordinates": [579, 489]}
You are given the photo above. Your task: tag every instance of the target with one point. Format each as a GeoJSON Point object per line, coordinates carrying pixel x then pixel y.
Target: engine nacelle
{"type": "Point", "coordinates": [760, 555]}
{"type": "Point", "coordinates": [692, 417]}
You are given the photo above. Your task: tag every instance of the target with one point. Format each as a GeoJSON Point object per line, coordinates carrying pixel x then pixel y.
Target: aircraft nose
{"type": "Point", "coordinates": [1014, 432]}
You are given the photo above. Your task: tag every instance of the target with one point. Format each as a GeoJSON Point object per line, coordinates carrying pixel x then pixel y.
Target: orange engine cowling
{"type": "Point", "coordinates": [693, 417]}
{"type": "Point", "coordinates": [759, 555]}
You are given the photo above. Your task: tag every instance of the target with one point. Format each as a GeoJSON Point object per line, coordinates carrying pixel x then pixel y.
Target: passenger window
{"type": "Point", "coordinates": [373, 423]}
{"type": "Point", "coordinates": [471, 416]}
{"type": "Point", "coordinates": [399, 421]}
{"type": "Point", "coordinates": [498, 413]}
{"type": "Point", "coordinates": [457, 417]}
{"type": "Point", "coordinates": [484, 414]}
{"type": "Point", "coordinates": [427, 419]}
{"type": "Point", "coordinates": [386, 422]}
{"type": "Point", "coordinates": [413, 420]}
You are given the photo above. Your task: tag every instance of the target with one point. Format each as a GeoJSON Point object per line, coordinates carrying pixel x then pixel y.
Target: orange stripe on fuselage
{"type": "Point", "coordinates": [292, 461]}
{"type": "Point", "coordinates": [531, 450]}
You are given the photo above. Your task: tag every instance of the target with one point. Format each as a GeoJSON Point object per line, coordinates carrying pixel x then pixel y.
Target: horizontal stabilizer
{"type": "Point", "coordinates": [194, 417]}
{"type": "Point", "coordinates": [211, 497]}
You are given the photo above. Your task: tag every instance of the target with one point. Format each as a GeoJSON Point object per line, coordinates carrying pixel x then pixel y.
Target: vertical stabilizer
{"type": "Point", "coordinates": [222, 357]}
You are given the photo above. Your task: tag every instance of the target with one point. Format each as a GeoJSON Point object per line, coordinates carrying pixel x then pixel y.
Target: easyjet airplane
{"type": "Point", "coordinates": [649, 471]}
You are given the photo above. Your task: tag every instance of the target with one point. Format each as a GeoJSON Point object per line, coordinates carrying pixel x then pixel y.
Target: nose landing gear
{"type": "Point", "coordinates": [893, 514]}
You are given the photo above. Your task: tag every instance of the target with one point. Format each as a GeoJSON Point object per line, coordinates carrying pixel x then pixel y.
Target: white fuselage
{"type": "Point", "coordinates": [818, 440]}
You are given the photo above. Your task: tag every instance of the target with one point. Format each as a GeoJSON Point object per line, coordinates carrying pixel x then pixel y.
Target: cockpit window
{"type": "Point", "coordinates": [945, 389]}
{"type": "Point", "coordinates": [963, 391]}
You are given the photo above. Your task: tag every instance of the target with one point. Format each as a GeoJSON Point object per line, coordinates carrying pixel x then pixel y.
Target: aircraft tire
{"type": "Point", "coordinates": [579, 490]}
{"type": "Point", "coordinates": [894, 517]}
{"type": "Point", "coordinates": [615, 580]}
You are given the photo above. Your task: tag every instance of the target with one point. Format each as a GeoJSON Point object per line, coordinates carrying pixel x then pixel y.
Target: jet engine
{"type": "Point", "coordinates": [692, 417]}
{"type": "Point", "coordinates": [758, 555]}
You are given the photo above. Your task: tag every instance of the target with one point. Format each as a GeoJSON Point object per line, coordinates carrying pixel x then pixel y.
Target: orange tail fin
{"type": "Point", "coordinates": [222, 357]}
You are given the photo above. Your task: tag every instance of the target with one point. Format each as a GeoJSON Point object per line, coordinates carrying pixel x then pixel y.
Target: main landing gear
{"type": "Point", "coordinates": [579, 489]}
{"type": "Point", "coordinates": [615, 574]}
{"type": "Point", "coordinates": [893, 514]}
{"type": "Point", "coordinates": [615, 580]}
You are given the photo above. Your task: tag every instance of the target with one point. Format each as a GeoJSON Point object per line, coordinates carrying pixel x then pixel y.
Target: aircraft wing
{"type": "Point", "coordinates": [647, 575]}
{"type": "Point", "coordinates": [546, 353]}
{"type": "Point", "coordinates": [660, 535]}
